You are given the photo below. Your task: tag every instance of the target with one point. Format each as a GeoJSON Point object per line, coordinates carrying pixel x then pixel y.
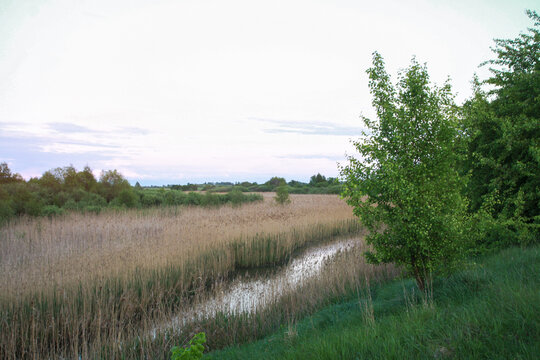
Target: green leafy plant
{"type": "Point", "coordinates": [282, 195]}
{"type": "Point", "coordinates": [503, 138]}
{"type": "Point", "coordinates": [193, 351]}
{"type": "Point", "coordinates": [405, 187]}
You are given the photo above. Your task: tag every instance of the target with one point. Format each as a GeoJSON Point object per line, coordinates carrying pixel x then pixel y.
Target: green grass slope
{"type": "Point", "coordinates": [491, 310]}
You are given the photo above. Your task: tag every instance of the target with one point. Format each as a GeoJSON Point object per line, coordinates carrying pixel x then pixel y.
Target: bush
{"type": "Point", "coordinates": [282, 195]}
{"type": "Point", "coordinates": [51, 210]}
{"type": "Point", "coordinates": [148, 200]}
{"type": "Point", "coordinates": [95, 209]}
{"type": "Point", "coordinates": [6, 211]}
{"type": "Point", "coordinates": [128, 198]}
{"type": "Point", "coordinates": [60, 198]}
{"type": "Point", "coordinates": [235, 197]}
{"type": "Point", "coordinates": [78, 194]}
{"type": "Point", "coordinates": [193, 198]}
{"type": "Point", "coordinates": [71, 205]}
{"type": "Point", "coordinates": [91, 199]}
{"type": "Point", "coordinates": [211, 199]}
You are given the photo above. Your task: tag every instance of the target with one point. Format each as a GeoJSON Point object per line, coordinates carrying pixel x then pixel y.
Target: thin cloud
{"type": "Point", "coordinates": [28, 154]}
{"type": "Point", "coordinates": [309, 128]}
{"type": "Point", "coordinates": [4, 125]}
{"type": "Point", "coordinates": [312, 157]}
{"type": "Point", "coordinates": [33, 149]}
{"type": "Point", "coordinates": [133, 130]}
{"type": "Point", "coordinates": [68, 128]}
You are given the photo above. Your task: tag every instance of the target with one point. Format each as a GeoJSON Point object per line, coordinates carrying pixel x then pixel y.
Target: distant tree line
{"type": "Point", "coordinates": [318, 184]}
{"type": "Point", "coordinates": [67, 189]}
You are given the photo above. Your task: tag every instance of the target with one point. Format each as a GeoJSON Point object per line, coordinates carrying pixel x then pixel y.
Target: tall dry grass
{"type": "Point", "coordinates": [86, 284]}
{"type": "Point", "coordinates": [95, 286]}
{"type": "Point", "coordinates": [344, 274]}
{"type": "Point", "coordinates": [42, 253]}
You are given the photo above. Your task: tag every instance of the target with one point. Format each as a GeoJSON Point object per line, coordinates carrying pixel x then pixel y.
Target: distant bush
{"type": "Point", "coordinates": [235, 197]}
{"type": "Point", "coordinates": [148, 200]}
{"type": "Point", "coordinates": [193, 198]}
{"type": "Point", "coordinates": [6, 211]}
{"type": "Point", "coordinates": [282, 195]}
{"type": "Point", "coordinates": [253, 197]}
{"type": "Point", "coordinates": [52, 210]}
{"type": "Point", "coordinates": [208, 187]}
{"type": "Point", "coordinates": [128, 198]}
{"type": "Point", "coordinates": [92, 199]}
{"type": "Point", "coordinates": [188, 187]}
{"type": "Point", "coordinates": [95, 209]}
{"type": "Point", "coordinates": [71, 205]}
{"type": "Point", "coordinates": [211, 199]}
{"type": "Point", "coordinates": [172, 198]}
{"type": "Point", "coordinates": [115, 204]}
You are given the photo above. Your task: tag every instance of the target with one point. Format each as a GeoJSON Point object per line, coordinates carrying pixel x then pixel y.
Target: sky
{"type": "Point", "coordinates": [178, 91]}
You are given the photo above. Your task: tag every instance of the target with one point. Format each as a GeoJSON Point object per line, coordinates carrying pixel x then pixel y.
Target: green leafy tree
{"type": "Point", "coordinates": [6, 176]}
{"type": "Point", "coordinates": [503, 127]}
{"type": "Point", "coordinates": [112, 183]}
{"type": "Point", "coordinates": [317, 180]}
{"type": "Point", "coordinates": [51, 182]}
{"type": "Point", "coordinates": [405, 187]}
{"type": "Point", "coordinates": [275, 181]}
{"type": "Point", "coordinates": [86, 179]}
{"type": "Point", "coordinates": [70, 178]}
{"type": "Point", "coordinates": [282, 195]}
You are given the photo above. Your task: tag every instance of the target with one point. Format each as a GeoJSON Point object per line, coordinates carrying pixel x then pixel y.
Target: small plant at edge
{"type": "Point", "coordinates": [194, 351]}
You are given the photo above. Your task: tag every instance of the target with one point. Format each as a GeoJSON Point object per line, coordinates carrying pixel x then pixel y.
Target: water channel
{"type": "Point", "coordinates": [248, 293]}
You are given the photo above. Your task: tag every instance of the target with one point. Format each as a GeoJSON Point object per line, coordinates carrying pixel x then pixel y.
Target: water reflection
{"type": "Point", "coordinates": [247, 294]}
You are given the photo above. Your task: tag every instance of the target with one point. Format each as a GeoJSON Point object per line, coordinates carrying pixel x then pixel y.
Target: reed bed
{"type": "Point", "coordinates": [89, 285]}
{"type": "Point", "coordinates": [346, 273]}
{"type": "Point", "coordinates": [43, 253]}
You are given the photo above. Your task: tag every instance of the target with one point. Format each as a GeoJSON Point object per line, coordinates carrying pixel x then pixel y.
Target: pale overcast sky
{"type": "Point", "coordinates": [179, 91]}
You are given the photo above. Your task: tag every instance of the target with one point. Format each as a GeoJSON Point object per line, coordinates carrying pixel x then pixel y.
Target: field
{"type": "Point", "coordinates": [96, 285]}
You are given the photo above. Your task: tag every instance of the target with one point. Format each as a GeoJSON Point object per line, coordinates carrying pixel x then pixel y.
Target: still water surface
{"type": "Point", "coordinates": [248, 293]}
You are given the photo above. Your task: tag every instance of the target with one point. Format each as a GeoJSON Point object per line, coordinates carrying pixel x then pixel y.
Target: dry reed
{"type": "Point", "coordinates": [41, 253]}
{"type": "Point", "coordinates": [86, 284]}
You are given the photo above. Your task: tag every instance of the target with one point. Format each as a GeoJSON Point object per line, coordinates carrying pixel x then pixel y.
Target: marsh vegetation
{"type": "Point", "coordinates": [100, 284]}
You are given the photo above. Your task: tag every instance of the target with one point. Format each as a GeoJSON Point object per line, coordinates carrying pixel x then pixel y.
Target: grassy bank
{"type": "Point", "coordinates": [489, 311]}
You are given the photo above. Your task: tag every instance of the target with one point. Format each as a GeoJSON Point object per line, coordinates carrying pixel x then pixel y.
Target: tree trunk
{"type": "Point", "coordinates": [420, 279]}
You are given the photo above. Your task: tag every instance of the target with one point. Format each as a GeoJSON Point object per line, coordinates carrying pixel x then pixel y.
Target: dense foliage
{"type": "Point", "coordinates": [503, 134]}
{"type": "Point", "coordinates": [405, 188]}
